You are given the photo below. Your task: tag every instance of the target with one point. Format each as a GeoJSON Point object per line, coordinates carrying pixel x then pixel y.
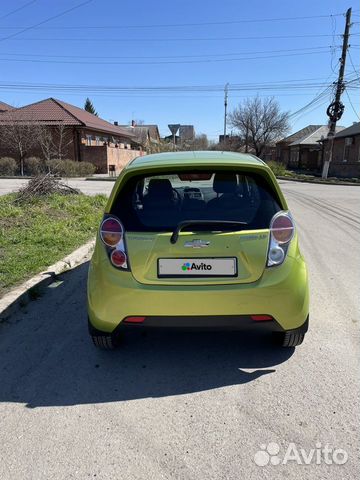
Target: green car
{"type": "Point", "coordinates": [197, 239]}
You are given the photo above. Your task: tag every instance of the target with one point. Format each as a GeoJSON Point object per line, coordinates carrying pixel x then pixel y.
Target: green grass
{"type": "Point", "coordinates": [38, 234]}
{"type": "Point", "coordinates": [277, 168]}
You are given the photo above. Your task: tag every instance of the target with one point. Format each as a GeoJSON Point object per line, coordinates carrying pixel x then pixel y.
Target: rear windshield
{"type": "Point", "coordinates": [160, 202]}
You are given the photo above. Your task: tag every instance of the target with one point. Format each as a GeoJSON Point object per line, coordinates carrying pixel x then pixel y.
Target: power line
{"type": "Point", "coordinates": [320, 104]}
{"type": "Point", "coordinates": [174, 25]}
{"type": "Point", "coordinates": [45, 21]}
{"type": "Point", "coordinates": [352, 64]}
{"type": "Point", "coordinates": [17, 10]}
{"type": "Point", "coordinates": [172, 39]}
{"type": "Point", "coordinates": [245, 87]}
{"type": "Point", "coordinates": [222, 60]}
{"type": "Point", "coordinates": [352, 106]}
{"type": "Point", "coordinates": [317, 99]}
{"type": "Point", "coordinates": [169, 56]}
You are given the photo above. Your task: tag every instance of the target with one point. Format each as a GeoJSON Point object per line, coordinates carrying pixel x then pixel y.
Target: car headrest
{"type": "Point", "coordinates": [225, 183]}
{"type": "Point", "coordinates": [160, 188]}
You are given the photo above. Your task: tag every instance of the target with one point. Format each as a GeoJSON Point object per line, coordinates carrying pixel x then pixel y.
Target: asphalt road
{"type": "Point", "coordinates": [191, 406]}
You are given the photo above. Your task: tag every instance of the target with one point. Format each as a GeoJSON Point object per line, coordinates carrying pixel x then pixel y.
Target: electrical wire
{"type": "Point", "coordinates": [45, 21]}
{"type": "Point", "coordinates": [199, 24]}
{"type": "Point", "coordinates": [173, 39]}
{"type": "Point", "coordinates": [168, 56]}
{"type": "Point", "coordinates": [17, 10]}
{"type": "Point", "coordinates": [251, 87]}
{"type": "Point", "coordinates": [316, 100]}
{"type": "Point", "coordinates": [167, 62]}
{"type": "Point", "coordinates": [352, 106]}
{"type": "Point", "coordinates": [351, 61]}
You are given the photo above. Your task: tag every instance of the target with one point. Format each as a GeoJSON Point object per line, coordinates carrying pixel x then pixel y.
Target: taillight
{"type": "Point", "coordinates": [111, 231]}
{"type": "Point", "coordinates": [282, 230]}
{"type": "Point", "coordinates": [118, 258]}
{"type": "Point", "coordinates": [112, 235]}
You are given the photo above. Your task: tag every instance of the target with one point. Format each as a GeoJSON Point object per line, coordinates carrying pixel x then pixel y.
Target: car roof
{"type": "Point", "coordinates": [198, 158]}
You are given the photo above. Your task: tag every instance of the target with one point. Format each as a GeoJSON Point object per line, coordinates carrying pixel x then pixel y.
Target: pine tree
{"type": "Point", "coordinates": [89, 107]}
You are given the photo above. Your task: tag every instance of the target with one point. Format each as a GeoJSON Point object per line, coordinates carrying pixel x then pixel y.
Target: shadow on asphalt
{"type": "Point", "coordinates": [49, 360]}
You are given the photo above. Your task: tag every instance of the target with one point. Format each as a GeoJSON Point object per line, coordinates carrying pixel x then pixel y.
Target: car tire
{"type": "Point", "coordinates": [104, 342]}
{"type": "Point", "coordinates": [289, 339]}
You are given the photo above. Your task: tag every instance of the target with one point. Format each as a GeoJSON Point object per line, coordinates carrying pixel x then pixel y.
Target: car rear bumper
{"type": "Point", "coordinates": [233, 323]}
{"type": "Point", "coordinates": [281, 292]}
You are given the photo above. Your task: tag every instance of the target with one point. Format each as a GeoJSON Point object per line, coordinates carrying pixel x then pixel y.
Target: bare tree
{"type": "Point", "coordinates": [200, 142]}
{"type": "Point", "coordinates": [17, 136]}
{"type": "Point", "coordinates": [54, 140]}
{"type": "Point", "coordinates": [234, 143]}
{"type": "Point", "coordinates": [62, 138]}
{"type": "Point", "coordinates": [159, 147]}
{"type": "Point", "coordinates": [45, 139]}
{"type": "Point", "coordinates": [260, 123]}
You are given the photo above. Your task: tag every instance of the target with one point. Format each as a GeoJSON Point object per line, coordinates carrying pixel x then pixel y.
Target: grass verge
{"type": "Point", "coordinates": [38, 234]}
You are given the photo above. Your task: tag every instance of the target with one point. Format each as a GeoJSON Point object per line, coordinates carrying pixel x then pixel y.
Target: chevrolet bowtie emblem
{"type": "Point", "coordinates": [197, 244]}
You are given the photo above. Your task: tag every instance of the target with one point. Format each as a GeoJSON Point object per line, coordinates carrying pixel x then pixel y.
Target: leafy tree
{"type": "Point", "coordinates": [260, 123]}
{"type": "Point", "coordinates": [89, 107]}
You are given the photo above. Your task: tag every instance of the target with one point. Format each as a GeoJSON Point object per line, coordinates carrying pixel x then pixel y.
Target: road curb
{"type": "Point", "coordinates": [104, 179]}
{"type": "Point", "coordinates": [318, 182]}
{"type": "Point", "coordinates": [29, 290]}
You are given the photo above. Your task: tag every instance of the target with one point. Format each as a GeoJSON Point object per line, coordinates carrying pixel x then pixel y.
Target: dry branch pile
{"type": "Point", "coordinates": [43, 185]}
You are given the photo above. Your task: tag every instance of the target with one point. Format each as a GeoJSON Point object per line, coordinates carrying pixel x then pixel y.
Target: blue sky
{"type": "Point", "coordinates": [58, 53]}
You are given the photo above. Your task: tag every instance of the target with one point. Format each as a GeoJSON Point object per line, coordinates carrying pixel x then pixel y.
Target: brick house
{"type": "Point", "coordinates": [283, 153]}
{"type": "Point", "coordinates": [146, 135]}
{"type": "Point", "coordinates": [4, 107]}
{"type": "Point", "coordinates": [88, 137]}
{"type": "Point", "coordinates": [346, 153]}
{"type": "Point", "coordinates": [302, 150]}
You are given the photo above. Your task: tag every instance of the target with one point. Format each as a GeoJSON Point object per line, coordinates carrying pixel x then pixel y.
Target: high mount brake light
{"type": "Point", "coordinates": [282, 230]}
{"type": "Point", "coordinates": [112, 235]}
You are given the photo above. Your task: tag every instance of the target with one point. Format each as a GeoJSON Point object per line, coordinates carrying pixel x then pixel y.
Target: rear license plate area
{"type": "Point", "coordinates": [197, 267]}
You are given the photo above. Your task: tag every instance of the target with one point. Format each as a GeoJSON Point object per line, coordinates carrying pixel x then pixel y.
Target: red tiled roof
{"type": "Point", "coordinates": [52, 111]}
{"type": "Point", "coordinates": [4, 107]}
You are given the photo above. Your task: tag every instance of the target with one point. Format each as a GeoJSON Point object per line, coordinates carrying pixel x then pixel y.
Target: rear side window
{"type": "Point", "coordinates": [160, 202]}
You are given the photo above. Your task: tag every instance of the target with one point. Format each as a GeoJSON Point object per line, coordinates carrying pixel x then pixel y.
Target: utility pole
{"type": "Point", "coordinates": [336, 108]}
{"type": "Point", "coordinates": [226, 89]}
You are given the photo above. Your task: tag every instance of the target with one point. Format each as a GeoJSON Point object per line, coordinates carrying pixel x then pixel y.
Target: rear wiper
{"type": "Point", "coordinates": [186, 223]}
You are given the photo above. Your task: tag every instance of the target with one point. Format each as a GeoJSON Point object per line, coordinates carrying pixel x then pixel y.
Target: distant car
{"type": "Point", "coordinates": [197, 239]}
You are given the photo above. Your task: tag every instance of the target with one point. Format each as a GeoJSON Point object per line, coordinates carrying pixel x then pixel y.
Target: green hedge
{"type": "Point", "coordinates": [8, 166]}
{"type": "Point", "coordinates": [33, 166]}
{"type": "Point", "coordinates": [69, 168]}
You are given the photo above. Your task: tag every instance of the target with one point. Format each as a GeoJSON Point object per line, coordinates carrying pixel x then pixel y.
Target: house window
{"type": "Point", "coordinates": [97, 141]}
{"type": "Point", "coordinates": [347, 147]}
{"type": "Point", "coordinates": [88, 140]}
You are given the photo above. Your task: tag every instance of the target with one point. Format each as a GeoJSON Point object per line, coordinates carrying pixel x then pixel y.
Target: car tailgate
{"type": "Point", "coordinates": [247, 248]}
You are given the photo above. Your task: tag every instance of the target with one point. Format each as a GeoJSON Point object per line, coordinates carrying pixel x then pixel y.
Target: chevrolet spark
{"type": "Point", "coordinates": [197, 239]}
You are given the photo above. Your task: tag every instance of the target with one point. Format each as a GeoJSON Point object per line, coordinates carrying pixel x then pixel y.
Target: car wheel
{"type": "Point", "coordinates": [104, 342]}
{"type": "Point", "coordinates": [289, 339]}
